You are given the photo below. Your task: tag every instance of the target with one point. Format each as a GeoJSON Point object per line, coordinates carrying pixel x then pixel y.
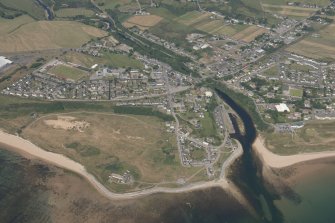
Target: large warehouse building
{"type": "Point", "coordinates": [4, 62]}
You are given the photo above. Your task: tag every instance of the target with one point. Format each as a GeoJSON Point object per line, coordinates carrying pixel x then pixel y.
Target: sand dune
{"type": "Point", "coordinates": [277, 161]}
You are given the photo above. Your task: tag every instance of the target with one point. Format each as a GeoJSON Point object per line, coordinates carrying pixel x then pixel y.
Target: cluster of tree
{"type": "Point", "coordinates": [148, 111]}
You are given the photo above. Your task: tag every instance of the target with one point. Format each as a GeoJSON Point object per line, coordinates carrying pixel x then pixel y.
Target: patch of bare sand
{"type": "Point", "coordinates": [277, 161]}
{"type": "Point", "coordinates": [67, 123]}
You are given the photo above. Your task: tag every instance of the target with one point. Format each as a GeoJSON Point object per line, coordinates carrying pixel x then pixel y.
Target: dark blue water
{"type": "Point", "coordinates": [246, 173]}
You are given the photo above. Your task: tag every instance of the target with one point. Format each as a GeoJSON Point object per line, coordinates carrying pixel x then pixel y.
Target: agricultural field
{"type": "Point", "coordinates": [142, 22]}
{"type": "Point", "coordinates": [315, 136]}
{"type": "Point", "coordinates": [284, 2]}
{"type": "Point", "coordinates": [321, 47]}
{"type": "Point", "coordinates": [110, 143]}
{"type": "Point", "coordinates": [28, 6]}
{"type": "Point", "coordinates": [191, 18]}
{"type": "Point", "coordinates": [205, 22]}
{"type": "Point", "coordinates": [72, 12]}
{"type": "Point", "coordinates": [43, 35]}
{"type": "Point", "coordinates": [67, 72]}
{"type": "Point", "coordinates": [290, 11]}
{"type": "Point", "coordinates": [249, 34]}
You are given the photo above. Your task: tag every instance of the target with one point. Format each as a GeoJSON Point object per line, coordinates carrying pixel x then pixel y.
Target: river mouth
{"type": "Point", "coordinates": [247, 170]}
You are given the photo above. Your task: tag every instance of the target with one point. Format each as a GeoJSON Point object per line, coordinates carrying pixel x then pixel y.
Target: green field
{"type": "Point", "coordinates": [28, 6]}
{"type": "Point", "coordinates": [296, 92]}
{"type": "Point", "coordinates": [72, 12]}
{"type": "Point", "coordinates": [218, 27]}
{"type": "Point", "coordinates": [271, 72]}
{"type": "Point", "coordinates": [203, 22]}
{"type": "Point", "coordinates": [122, 5]}
{"type": "Point", "coordinates": [67, 72]}
{"type": "Point", "coordinates": [315, 136]}
{"type": "Point", "coordinates": [109, 59]}
{"type": "Point", "coordinates": [23, 34]}
{"type": "Point", "coordinates": [172, 31]}
{"type": "Point", "coordinates": [290, 11]}
{"type": "Point", "coordinates": [190, 18]}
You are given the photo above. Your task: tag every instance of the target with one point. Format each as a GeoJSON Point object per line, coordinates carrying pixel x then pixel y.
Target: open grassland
{"type": "Point", "coordinates": [113, 60]}
{"type": "Point", "coordinates": [321, 47]}
{"type": "Point", "coordinates": [250, 33]}
{"type": "Point", "coordinates": [42, 35]}
{"type": "Point", "coordinates": [9, 25]}
{"type": "Point", "coordinates": [110, 143]}
{"type": "Point", "coordinates": [28, 6]}
{"type": "Point", "coordinates": [67, 72]}
{"type": "Point", "coordinates": [315, 136]}
{"type": "Point", "coordinates": [285, 10]}
{"type": "Point", "coordinates": [72, 12]}
{"type": "Point", "coordinates": [142, 22]}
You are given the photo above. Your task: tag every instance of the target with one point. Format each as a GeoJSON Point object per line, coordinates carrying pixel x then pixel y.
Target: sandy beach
{"type": "Point", "coordinates": [277, 161]}
{"type": "Point", "coordinates": [28, 149]}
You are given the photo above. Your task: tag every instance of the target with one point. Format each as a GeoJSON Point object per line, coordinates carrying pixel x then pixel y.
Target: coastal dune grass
{"type": "Point", "coordinates": [114, 143]}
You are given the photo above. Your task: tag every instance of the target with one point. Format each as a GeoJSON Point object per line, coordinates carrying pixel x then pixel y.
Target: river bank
{"type": "Point", "coordinates": [277, 161]}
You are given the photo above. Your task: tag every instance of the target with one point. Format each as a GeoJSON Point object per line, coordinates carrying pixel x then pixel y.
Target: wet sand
{"type": "Point", "coordinates": [277, 161]}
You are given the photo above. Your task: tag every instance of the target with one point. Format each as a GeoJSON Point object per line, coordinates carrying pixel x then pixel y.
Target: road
{"type": "Point", "coordinates": [172, 91]}
{"type": "Point", "coordinates": [236, 154]}
{"type": "Point", "coordinates": [170, 105]}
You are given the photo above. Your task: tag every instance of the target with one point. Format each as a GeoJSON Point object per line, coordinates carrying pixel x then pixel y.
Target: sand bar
{"type": "Point", "coordinates": [277, 161]}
